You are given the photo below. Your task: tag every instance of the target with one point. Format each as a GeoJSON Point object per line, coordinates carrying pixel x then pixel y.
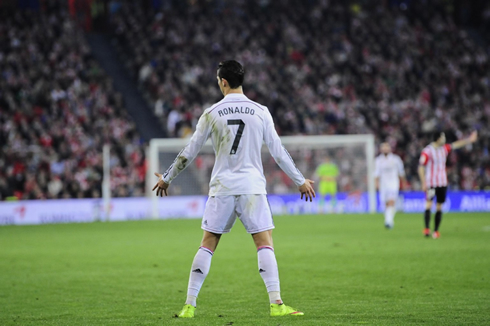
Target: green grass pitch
{"type": "Point", "coordinates": [338, 269]}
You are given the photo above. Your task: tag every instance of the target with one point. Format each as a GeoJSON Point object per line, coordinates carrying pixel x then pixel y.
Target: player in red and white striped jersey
{"type": "Point", "coordinates": [432, 173]}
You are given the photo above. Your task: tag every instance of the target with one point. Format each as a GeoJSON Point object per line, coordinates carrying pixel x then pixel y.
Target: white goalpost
{"type": "Point", "coordinates": [353, 155]}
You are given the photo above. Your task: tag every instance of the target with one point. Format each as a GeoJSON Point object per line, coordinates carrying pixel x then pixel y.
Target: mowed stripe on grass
{"type": "Point", "coordinates": [338, 269]}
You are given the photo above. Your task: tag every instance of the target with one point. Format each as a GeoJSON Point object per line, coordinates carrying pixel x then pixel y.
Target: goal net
{"type": "Point", "coordinates": [346, 179]}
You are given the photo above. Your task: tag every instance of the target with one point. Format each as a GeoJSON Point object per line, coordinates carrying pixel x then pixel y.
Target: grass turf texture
{"type": "Point", "coordinates": [338, 269]}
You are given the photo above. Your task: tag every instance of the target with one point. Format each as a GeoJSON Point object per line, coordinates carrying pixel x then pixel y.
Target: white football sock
{"type": "Point", "coordinates": [390, 216]}
{"type": "Point", "coordinates": [387, 218]}
{"type": "Point", "coordinates": [269, 272]}
{"type": "Point", "coordinates": [199, 271]}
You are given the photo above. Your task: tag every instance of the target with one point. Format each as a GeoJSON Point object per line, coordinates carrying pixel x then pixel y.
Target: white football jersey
{"type": "Point", "coordinates": [388, 168]}
{"type": "Point", "coordinates": [238, 126]}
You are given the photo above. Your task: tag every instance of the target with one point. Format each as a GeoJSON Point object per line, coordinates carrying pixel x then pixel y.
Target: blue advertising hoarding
{"type": "Point", "coordinates": [408, 202]}
{"type": "Point", "coordinates": [124, 209]}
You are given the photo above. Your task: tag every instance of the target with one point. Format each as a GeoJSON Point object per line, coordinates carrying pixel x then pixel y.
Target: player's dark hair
{"type": "Point", "coordinates": [232, 71]}
{"type": "Point", "coordinates": [436, 135]}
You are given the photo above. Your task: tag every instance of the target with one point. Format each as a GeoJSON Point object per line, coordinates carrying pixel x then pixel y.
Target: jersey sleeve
{"type": "Point", "coordinates": [448, 148]}
{"type": "Point", "coordinates": [279, 153]}
{"type": "Point", "coordinates": [190, 151]}
{"type": "Point", "coordinates": [424, 158]}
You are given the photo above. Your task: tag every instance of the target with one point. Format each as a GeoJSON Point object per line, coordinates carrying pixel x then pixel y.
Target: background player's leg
{"type": "Point", "coordinates": [201, 265]}
{"type": "Point", "coordinates": [321, 203]}
{"type": "Point", "coordinates": [428, 205]}
{"type": "Point", "coordinates": [333, 194]}
{"type": "Point", "coordinates": [438, 219]}
{"type": "Point", "coordinates": [268, 264]}
{"type": "Point", "coordinates": [441, 198]}
{"type": "Point", "coordinates": [390, 214]}
{"type": "Point", "coordinates": [332, 202]}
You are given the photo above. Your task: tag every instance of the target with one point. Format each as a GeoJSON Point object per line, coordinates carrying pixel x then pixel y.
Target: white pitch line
{"type": "Point", "coordinates": [486, 228]}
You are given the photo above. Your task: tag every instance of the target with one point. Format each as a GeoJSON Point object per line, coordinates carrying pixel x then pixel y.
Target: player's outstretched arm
{"type": "Point", "coordinates": [190, 151]}
{"type": "Point", "coordinates": [279, 153]}
{"type": "Point", "coordinates": [307, 190]}
{"type": "Point", "coordinates": [461, 143]}
{"type": "Point", "coordinates": [161, 186]}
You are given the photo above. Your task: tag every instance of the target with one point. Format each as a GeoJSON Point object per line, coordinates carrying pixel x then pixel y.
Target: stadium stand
{"type": "Point", "coordinates": [57, 109]}
{"type": "Point", "coordinates": [346, 69]}
{"type": "Point", "coordinates": [397, 73]}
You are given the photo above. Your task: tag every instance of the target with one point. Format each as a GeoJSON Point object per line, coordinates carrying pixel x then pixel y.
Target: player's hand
{"type": "Point", "coordinates": [161, 185]}
{"type": "Point", "coordinates": [307, 190]}
{"type": "Point", "coordinates": [424, 187]}
{"type": "Point", "coordinates": [473, 137]}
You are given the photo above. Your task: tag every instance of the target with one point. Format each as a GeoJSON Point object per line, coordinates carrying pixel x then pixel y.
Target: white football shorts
{"type": "Point", "coordinates": [386, 194]}
{"type": "Point", "coordinates": [253, 210]}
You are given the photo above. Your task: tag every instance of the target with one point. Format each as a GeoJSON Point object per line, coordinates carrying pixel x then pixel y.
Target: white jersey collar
{"type": "Point", "coordinates": [235, 95]}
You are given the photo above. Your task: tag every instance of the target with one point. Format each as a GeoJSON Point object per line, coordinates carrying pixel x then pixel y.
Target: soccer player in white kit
{"type": "Point", "coordinates": [432, 173]}
{"type": "Point", "coordinates": [237, 127]}
{"type": "Point", "coordinates": [388, 172]}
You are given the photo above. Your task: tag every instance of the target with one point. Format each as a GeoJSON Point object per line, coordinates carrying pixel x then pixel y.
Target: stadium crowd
{"type": "Point", "coordinates": [57, 110]}
{"type": "Point", "coordinates": [322, 67]}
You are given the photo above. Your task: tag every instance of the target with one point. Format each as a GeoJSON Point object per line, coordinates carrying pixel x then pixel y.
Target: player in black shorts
{"type": "Point", "coordinates": [432, 173]}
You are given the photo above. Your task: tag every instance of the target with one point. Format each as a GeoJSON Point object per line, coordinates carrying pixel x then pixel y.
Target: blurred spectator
{"type": "Point", "coordinates": [57, 110]}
